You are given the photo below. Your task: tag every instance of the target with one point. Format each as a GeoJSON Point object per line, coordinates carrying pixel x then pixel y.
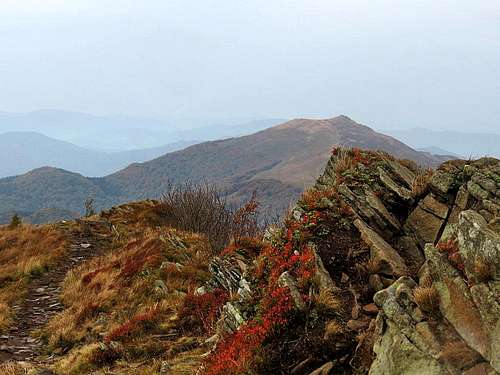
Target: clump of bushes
{"type": "Point", "coordinates": [204, 209]}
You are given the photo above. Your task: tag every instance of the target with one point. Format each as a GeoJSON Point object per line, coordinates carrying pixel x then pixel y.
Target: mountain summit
{"type": "Point", "coordinates": [277, 163]}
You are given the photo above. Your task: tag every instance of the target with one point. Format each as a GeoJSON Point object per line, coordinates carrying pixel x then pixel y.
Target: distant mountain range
{"type": "Point", "coordinates": [123, 133]}
{"type": "Point", "coordinates": [456, 143]}
{"type": "Point", "coordinates": [21, 152]}
{"type": "Point", "coordinates": [278, 163]}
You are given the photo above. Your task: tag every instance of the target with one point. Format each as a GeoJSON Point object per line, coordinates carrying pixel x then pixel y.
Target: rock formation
{"type": "Point", "coordinates": [405, 277]}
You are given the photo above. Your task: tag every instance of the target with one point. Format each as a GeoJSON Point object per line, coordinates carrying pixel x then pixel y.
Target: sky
{"type": "Point", "coordinates": [388, 64]}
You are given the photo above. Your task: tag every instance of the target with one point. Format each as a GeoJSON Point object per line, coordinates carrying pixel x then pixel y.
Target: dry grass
{"type": "Point", "coordinates": [427, 298]}
{"type": "Point", "coordinates": [327, 300]}
{"type": "Point", "coordinates": [343, 160]}
{"type": "Point", "coordinates": [129, 296]}
{"type": "Point", "coordinates": [421, 182]}
{"type": "Point", "coordinates": [25, 253]}
{"type": "Point", "coordinates": [371, 267]}
{"type": "Point", "coordinates": [426, 281]}
{"type": "Point", "coordinates": [15, 368]}
{"type": "Point", "coordinates": [333, 330]}
{"type": "Point", "coordinates": [483, 270]}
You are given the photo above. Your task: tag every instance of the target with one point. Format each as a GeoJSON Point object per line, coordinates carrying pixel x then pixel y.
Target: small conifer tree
{"type": "Point", "coordinates": [15, 221]}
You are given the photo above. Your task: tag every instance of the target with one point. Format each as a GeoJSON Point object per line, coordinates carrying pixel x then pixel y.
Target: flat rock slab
{"type": "Point", "coordinates": [384, 255]}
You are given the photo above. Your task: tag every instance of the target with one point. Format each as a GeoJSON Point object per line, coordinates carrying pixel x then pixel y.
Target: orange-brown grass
{"type": "Point", "coordinates": [328, 301]}
{"type": "Point", "coordinates": [333, 330]}
{"type": "Point", "coordinates": [421, 182]}
{"type": "Point", "coordinates": [483, 270]}
{"type": "Point", "coordinates": [371, 267]}
{"type": "Point", "coordinates": [25, 252]}
{"type": "Point", "coordinates": [122, 306]}
{"type": "Point", "coordinates": [427, 298]}
{"type": "Point", "coordinates": [16, 368]}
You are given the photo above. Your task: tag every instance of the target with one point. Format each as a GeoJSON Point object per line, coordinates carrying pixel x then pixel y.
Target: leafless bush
{"type": "Point", "coordinates": [204, 209]}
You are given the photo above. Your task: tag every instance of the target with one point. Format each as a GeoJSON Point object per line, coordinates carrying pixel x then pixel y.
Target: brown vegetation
{"type": "Point", "coordinates": [204, 209]}
{"type": "Point", "coordinates": [458, 354]}
{"type": "Point", "coordinates": [25, 253]}
{"type": "Point", "coordinates": [483, 271]}
{"type": "Point", "coordinates": [427, 298]}
{"type": "Point", "coordinates": [421, 182]}
{"type": "Point", "coordinates": [122, 306]}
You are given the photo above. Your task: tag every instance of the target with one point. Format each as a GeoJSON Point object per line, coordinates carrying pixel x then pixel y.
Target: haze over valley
{"type": "Point", "coordinates": [285, 187]}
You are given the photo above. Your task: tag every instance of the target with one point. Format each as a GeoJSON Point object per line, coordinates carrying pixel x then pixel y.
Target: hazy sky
{"type": "Point", "coordinates": [385, 63]}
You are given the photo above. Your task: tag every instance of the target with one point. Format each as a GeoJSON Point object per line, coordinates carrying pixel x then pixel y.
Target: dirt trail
{"type": "Point", "coordinates": [42, 300]}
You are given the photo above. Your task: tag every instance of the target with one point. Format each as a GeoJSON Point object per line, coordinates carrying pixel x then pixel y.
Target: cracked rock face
{"type": "Point", "coordinates": [458, 225]}
{"type": "Point", "coordinates": [428, 257]}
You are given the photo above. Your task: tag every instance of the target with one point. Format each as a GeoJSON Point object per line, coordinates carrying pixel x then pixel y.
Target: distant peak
{"type": "Point", "coordinates": [344, 117]}
{"type": "Point", "coordinates": [315, 125]}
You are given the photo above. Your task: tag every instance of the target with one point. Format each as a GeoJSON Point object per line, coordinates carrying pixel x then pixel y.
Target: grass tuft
{"type": "Point", "coordinates": [427, 298]}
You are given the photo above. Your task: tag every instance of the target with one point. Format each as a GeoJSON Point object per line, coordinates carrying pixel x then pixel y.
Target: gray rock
{"type": "Point", "coordinates": [402, 192]}
{"type": "Point", "coordinates": [287, 281]}
{"type": "Point", "coordinates": [387, 259]}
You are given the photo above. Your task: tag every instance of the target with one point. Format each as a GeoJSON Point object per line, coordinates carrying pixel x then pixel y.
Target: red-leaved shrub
{"type": "Point", "coordinates": [200, 312]}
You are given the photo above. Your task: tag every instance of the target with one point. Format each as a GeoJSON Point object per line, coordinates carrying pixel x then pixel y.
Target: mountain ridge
{"type": "Point", "coordinates": [286, 153]}
{"type": "Point", "coordinates": [22, 151]}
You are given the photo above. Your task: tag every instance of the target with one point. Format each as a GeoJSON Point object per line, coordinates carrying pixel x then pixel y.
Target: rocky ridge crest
{"type": "Point", "coordinates": [387, 268]}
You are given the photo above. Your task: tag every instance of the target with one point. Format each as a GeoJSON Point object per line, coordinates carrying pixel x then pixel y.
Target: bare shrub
{"type": "Point", "coordinates": [204, 209]}
{"type": "Point", "coordinates": [89, 207]}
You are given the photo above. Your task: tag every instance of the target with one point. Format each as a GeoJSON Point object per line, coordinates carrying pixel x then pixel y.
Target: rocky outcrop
{"type": "Point", "coordinates": [406, 276]}
{"type": "Point", "coordinates": [457, 223]}
{"type": "Point", "coordinates": [443, 243]}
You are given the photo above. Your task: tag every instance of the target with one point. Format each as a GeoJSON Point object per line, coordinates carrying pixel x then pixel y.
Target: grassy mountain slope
{"type": "Point", "coordinates": [292, 153]}
{"type": "Point", "coordinates": [280, 162]}
{"type": "Point", "coordinates": [380, 267]}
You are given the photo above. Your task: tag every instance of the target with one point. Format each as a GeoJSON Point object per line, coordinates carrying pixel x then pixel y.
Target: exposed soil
{"type": "Point", "coordinates": [42, 300]}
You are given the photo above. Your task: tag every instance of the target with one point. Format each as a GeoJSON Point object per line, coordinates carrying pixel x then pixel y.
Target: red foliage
{"type": "Point", "coordinates": [147, 253]}
{"type": "Point", "coordinates": [346, 210]}
{"type": "Point", "coordinates": [358, 156]}
{"type": "Point", "coordinates": [87, 278]}
{"type": "Point", "coordinates": [235, 353]}
{"type": "Point", "coordinates": [250, 245]}
{"type": "Point", "coordinates": [312, 198]}
{"type": "Point", "coordinates": [202, 311]}
{"type": "Point", "coordinates": [139, 321]}
{"type": "Point", "coordinates": [450, 248]}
